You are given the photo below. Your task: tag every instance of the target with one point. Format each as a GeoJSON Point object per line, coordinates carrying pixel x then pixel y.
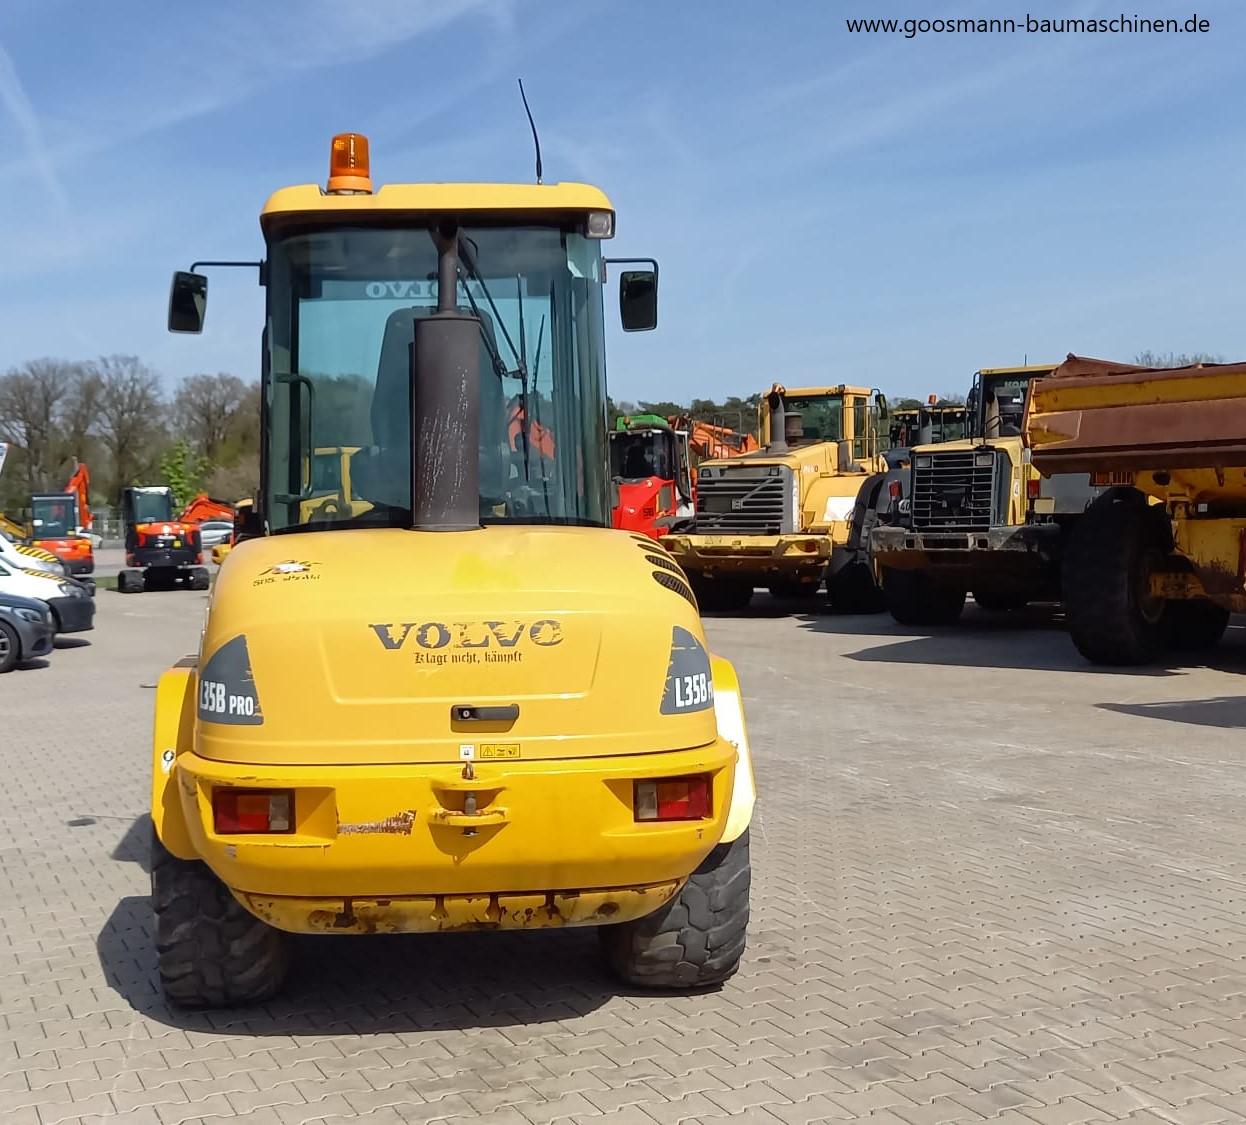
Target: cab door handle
{"type": "Point", "coordinates": [500, 713]}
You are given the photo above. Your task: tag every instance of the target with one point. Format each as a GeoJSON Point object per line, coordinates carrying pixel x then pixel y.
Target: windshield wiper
{"type": "Point", "coordinates": [468, 259]}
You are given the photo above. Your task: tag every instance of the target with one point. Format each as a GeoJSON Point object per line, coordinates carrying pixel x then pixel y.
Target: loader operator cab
{"type": "Point", "coordinates": [152, 504]}
{"type": "Point", "coordinates": [856, 419]}
{"type": "Point", "coordinates": [996, 404]}
{"type": "Point", "coordinates": [54, 516]}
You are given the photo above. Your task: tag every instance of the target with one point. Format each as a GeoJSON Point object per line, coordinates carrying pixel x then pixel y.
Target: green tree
{"type": "Point", "coordinates": [183, 470]}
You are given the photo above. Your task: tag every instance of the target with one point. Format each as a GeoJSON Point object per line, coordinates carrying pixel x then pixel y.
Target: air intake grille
{"type": "Point", "coordinates": [745, 501]}
{"type": "Point", "coordinates": [662, 578]}
{"type": "Point", "coordinates": [953, 492]}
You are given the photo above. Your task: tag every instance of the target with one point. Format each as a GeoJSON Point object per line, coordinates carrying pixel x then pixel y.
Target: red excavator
{"type": "Point", "coordinates": [164, 549]}
{"type": "Point", "coordinates": [652, 474]}
{"type": "Point", "coordinates": [61, 522]}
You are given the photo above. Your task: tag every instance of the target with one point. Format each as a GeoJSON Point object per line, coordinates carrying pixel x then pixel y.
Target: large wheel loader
{"type": "Point", "coordinates": [1159, 559]}
{"type": "Point", "coordinates": [472, 705]}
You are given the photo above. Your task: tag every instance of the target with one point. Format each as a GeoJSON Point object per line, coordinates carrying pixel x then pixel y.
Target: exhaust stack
{"type": "Point", "coordinates": [445, 406]}
{"type": "Point", "coordinates": [778, 420]}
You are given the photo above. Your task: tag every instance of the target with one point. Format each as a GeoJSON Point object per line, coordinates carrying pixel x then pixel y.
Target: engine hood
{"type": "Point", "coordinates": [404, 646]}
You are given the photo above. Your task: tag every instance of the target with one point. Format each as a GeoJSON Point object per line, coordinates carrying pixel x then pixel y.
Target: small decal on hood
{"type": "Point", "coordinates": [689, 685]}
{"type": "Point", "coordinates": [289, 570]}
{"type": "Point", "coordinates": [227, 692]}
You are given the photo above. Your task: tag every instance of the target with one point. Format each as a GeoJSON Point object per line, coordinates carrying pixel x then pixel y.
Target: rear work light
{"type": "Point", "coordinates": [895, 490]}
{"type": "Point", "coordinates": [248, 811]}
{"type": "Point", "coordinates": [674, 798]}
{"type": "Point", "coordinates": [1033, 487]}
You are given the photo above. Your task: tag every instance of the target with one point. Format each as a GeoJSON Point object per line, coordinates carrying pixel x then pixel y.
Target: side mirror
{"type": "Point", "coordinates": [188, 302]}
{"type": "Point", "coordinates": [638, 300]}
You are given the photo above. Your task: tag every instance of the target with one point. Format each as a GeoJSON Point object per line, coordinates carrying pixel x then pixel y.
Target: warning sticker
{"type": "Point", "coordinates": [499, 750]}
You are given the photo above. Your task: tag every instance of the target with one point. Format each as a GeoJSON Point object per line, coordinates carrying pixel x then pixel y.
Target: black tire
{"type": "Point", "coordinates": [697, 938]}
{"type": "Point", "coordinates": [999, 603]}
{"type": "Point", "coordinates": [852, 589]}
{"type": "Point", "coordinates": [212, 953]}
{"type": "Point", "coordinates": [10, 647]}
{"type": "Point", "coordinates": [129, 582]}
{"type": "Point", "coordinates": [1113, 551]}
{"type": "Point", "coordinates": [1194, 625]}
{"type": "Point", "coordinates": [199, 579]}
{"type": "Point", "coordinates": [722, 593]}
{"type": "Point", "coordinates": [914, 599]}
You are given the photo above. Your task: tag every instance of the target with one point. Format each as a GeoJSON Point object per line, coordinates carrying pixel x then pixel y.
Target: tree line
{"type": "Point", "coordinates": [115, 415]}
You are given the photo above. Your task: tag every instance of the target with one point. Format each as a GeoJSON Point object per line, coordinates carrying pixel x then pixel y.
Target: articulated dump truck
{"type": "Point", "coordinates": [780, 517]}
{"type": "Point", "coordinates": [1158, 562]}
{"type": "Point", "coordinates": [460, 701]}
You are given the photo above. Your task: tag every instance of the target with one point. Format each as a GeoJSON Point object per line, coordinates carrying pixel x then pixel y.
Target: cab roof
{"type": "Point", "coordinates": [312, 199]}
{"type": "Point", "coordinates": [834, 389]}
{"type": "Point", "coordinates": [1029, 369]}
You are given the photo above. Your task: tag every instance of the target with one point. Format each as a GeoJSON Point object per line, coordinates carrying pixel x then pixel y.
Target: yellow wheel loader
{"type": "Point", "coordinates": [780, 517]}
{"type": "Point", "coordinates": [1158, 562]}
{"type": "Point", "coordinates": [462, 701]}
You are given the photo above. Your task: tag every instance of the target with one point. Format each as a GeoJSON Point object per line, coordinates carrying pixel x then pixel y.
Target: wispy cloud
{"type": "Point", "coordinates": [19, 108]}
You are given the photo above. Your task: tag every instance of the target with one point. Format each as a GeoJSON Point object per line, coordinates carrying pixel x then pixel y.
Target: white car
{"type": "Point", "coordinates": [22, 557]}
{"type": "Point", "coordinates": [73, 610]}
{"type": "Point", "coordinates": [212, 532]}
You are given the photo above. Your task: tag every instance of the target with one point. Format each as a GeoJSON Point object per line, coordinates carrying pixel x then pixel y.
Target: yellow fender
{"type": "Point", "coordinates": [173, 735]}
{"type": "Point", "coordinates": [729, 711]}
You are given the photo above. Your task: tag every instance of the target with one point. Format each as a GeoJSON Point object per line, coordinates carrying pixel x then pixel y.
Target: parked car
{"type": "Point", "coordinates": [212, 532]}
{"type": "Point", "coordinates": [73, 610]}
{"type": "Point", "coordinates": [26, 630]}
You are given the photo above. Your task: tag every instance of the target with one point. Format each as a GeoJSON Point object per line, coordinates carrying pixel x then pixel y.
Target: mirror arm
{"type": "Point", "coordinates": [262, 267]}
{"type": "Point", "coordinates": [630, 262]}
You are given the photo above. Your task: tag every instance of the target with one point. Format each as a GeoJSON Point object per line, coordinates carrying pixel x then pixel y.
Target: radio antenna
{"type": "Point", "coordinates": [532, 124]}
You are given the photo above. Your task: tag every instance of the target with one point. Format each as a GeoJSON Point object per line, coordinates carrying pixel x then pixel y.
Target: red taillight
{"type": "Point", "coordinates": [895, 489]}
{"type": "Point", "coordinates": [674, 798]}
{"type": "Point", "coordinates": [1032, 488]}
{"type": "Point", "coordinates": [241, 811]}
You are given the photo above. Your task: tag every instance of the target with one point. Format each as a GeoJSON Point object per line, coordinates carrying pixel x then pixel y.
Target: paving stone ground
{"type": "Point", "coordinates": [988, 884]}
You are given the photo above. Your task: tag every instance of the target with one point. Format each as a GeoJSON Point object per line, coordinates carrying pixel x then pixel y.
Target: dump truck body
{"type": "Point", "coordinates": [1167, 543]}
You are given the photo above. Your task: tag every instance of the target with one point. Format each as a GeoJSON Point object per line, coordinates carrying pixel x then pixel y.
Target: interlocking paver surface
{"type": "Point", "coordinates": [988, 884]}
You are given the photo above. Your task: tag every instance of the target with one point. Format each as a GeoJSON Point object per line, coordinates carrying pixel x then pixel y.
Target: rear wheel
{"type": "Point", "coordinates": [722, 593]}
{"type": "Point", "coordinates": [914, 599]}
{"type": "Point", "coordinates": [10, 647]}
{"type": "Point", "coordinates": [129, 582]}
{"type": "Point", "coordinates": [698, 937]}
{"type": "Point", "coordinates": [198, 579]}
{"type": "Point", "coordinates": [1195, 624]}
{"type": "Point", "coordinates": [1116, 547]}
{"type": "Point", "coordinates": [212, 953]}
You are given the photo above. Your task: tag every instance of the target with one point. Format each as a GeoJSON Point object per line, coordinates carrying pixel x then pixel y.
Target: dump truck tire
{"type": "Point", "coordinates": [1195, 624]}
{"type": "Point", "coordinates": [1114, 549]}
{"type": "Point", "coordinates": [914, 599]}
{"type": "Point", "coordinates": [212, 953]}
{"type": "Point", "coordinates": [722, 593]}
{"type": "Point", "coordinates": [199, 579]}
{"type": "Point", "coordinates": [697, 938]}
{"type": "Point", "coordinates": [852, 589]}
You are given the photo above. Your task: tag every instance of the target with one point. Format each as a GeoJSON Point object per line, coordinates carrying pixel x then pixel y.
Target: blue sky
{"type": "Point", "coordinates": [825, 206]}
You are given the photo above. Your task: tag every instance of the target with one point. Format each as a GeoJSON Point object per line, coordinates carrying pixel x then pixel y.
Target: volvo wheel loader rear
{"type": "Point", "coordinates": [1159, 560]}
{"type": "Point", "coordinates": [780, 517]}
{"type": "Point", "coordinates": [473, 705]}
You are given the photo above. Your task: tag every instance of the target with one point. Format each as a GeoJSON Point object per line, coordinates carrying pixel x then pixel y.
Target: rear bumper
{"type": "Point", "coordinates": [763, 556]}
{"type": "Point", "coordinates": [76, 615]}
{"type": "Point", "coordinates": [1025, 549]}
{"type": "Point", "coordinates": [391, 847]}
{"type": "Point", "coordinates": [159, 557]}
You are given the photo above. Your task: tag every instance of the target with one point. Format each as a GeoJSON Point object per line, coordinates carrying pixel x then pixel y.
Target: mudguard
{"type": "Point", "coordinates": [729, 712]}
{"type": "Point", "coordinates": [173, 734]}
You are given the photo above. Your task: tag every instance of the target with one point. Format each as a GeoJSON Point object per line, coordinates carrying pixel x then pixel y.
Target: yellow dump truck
{"type": "Point", "coordinates": [980, 517]}
{"type": "Point", "coordinates": [1159, 560]}
{"type": "Point", "coordinates": [473, 705]}
{"type": "Point", "coordinates": [780, 517]}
